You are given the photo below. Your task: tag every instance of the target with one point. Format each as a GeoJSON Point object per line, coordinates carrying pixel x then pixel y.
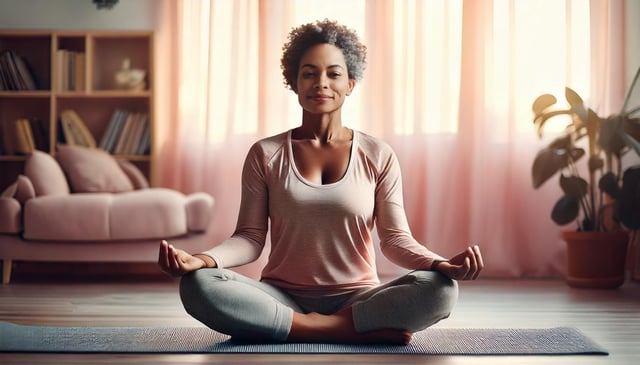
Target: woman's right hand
{"type": "Point", "coordinates": [176, 262]}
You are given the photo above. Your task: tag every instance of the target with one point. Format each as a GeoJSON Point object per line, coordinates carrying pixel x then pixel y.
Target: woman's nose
{"type": "Point", "coordinates": [321, 82]}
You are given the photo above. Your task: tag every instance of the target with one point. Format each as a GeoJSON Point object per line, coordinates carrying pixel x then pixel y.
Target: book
{"type": "Point", "coordinates": [15, 73]}
{"type": "Point", "coordinates": [25, 75]}
{"type": "Point", "coordinates": [114, 127]}
{"type": "Point", "coordinates": [129, 138]}
{"type": "Point", "coordinates": [70, 70]}
{"type": "Point", "coordinates": [144, 148]}
{"type": "Point", "coordinates": [9, 70]}
{"type": "Point", "coordinates": [140, 136]}
{"type": "Point", "coordinates": [59, 77]}
{"type": "Point", "coordinates": [124, 135]}
{"type": "Point", "coordinates": [40, 134]}
{"type": "Point", "coordinates": [136, 133]}
{"type": "Point", "coordinates": [4, 82]}
{"type": "Point", "coordinates": [75, 131]}
{"type": "Point", "coordinates": [25, 143]}
{"type": "Point", "coordinates": [71, 59]}
{"type": "Point", "coordinates": [79, 71]}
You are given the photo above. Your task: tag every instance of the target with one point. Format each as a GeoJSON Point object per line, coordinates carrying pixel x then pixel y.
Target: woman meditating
{"type": "Point", "coordinates": [320, 189]}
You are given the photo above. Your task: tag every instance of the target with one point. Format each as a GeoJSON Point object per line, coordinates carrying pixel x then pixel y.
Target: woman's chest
{"type": "Point", "coordinates": [321, 164]}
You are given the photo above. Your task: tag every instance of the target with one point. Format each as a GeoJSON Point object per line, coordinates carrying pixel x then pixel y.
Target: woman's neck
{"type": "Point", "coordinates": [323, 128]}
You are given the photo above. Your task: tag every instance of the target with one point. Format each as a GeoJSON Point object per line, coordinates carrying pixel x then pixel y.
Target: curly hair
{"type": "Point", "coordinates": [308, 35]}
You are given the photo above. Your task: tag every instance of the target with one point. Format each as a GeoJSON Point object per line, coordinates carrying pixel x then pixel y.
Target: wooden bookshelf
{"type": "Point", "coordinates": [93, 94]}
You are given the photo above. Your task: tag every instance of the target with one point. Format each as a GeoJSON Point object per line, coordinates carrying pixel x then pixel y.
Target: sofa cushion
{"type": "Point", "coordinates": [45, 174]}
{"type": "Point", "coordinates": [75, 217]}
{"type": "Point", "coordinates": [92, 170]}
{"type": "Point", "coordinates": [148, 213]}
{"type": "Point", "coordinates": [140, 214]}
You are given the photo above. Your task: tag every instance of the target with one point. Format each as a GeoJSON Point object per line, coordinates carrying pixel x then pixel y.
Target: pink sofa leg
{"type": "Point", "coordinates": [6, 271]}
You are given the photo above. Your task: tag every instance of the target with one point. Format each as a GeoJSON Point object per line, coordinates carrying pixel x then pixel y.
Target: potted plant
{"type": "Point", "coordinates": [598, 194]}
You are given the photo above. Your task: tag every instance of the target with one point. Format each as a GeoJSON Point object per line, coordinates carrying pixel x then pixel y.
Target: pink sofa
{"type": "Point", "coordinates": [86, 206]}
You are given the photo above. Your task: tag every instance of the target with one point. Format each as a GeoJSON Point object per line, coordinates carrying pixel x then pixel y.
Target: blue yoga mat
{"type": "Point", "coordinates": [433, 341]}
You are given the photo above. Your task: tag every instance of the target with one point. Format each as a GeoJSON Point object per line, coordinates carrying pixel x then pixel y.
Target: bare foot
{"type": "Point", "coordinates": [338, 328]}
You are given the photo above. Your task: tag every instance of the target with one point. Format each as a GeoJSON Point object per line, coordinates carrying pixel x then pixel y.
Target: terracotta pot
{"type": "Point", "coordinates": [596, 259]}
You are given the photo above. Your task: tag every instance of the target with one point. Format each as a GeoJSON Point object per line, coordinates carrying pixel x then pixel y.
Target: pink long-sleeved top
{"type": "Point", "coordinates": [321, 242]}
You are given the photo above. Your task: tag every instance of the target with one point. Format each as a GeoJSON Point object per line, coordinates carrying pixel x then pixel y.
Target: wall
{"type": "Point", "coordinates": [632, 41]}
{"type": "Point", "coordinates": [78, 14]}
{"type": "Point", "coordinates": [145, 15]}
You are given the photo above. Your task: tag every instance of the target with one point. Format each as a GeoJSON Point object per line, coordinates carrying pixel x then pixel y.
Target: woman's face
{"type": "Point", "coordinates": [323, 81]}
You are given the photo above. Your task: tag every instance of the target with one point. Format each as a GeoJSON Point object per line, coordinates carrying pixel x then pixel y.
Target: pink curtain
{"type": "Point", "coordinates": [448, 84]}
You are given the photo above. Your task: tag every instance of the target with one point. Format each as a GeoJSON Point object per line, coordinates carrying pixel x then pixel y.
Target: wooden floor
{"type": "Point", "coordinates": [610, 317]}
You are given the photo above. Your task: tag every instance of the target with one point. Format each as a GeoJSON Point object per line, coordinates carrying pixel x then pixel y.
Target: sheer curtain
{"type": "Point", "coordinates": [449, 84]}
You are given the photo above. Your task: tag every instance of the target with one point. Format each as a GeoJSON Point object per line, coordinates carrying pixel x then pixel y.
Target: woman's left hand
{"type": "Point", "coordinates": [464, 266]}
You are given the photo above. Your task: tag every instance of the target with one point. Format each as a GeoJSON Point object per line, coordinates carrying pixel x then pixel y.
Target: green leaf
{"type": "Point", "coordinates": [562, 142]}
{"type": "Point", "coordinates": [576, 103]}
{"type": "Point", "coordinates": [547, 163]}
{"type": "Point", "coordinates": [565, 210]}
{"type": "Point", "coordinates": [542, 102]}
{"type": "Point", "coordinates": [609, 184]}
{"type": "Point", "coordinates": [576, 153]}
{"type": "Point", "coordinates": [574, 186]}
{"type": "Point", "coordinates": [572, 97]}
{"type": "Point", "coordinates": [595, 163]}
{"type": "Point", "coordinates": [610, 138]}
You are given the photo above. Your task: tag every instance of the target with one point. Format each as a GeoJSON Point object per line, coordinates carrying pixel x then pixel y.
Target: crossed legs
{"type": "Point", "coordinates": [247, 309]}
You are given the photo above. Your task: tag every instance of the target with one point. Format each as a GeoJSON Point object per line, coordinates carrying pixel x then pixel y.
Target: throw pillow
{"type": "Point", "coordinates": [92, 170]}
{"type": "Point", "coordinates": [45, 174]}
{"type": "Point", "coordinates": [136, 176]}
{"type": "Point", "coordinates": [21, 190]}
{"type": "Point", "coordinates": [24, 189]}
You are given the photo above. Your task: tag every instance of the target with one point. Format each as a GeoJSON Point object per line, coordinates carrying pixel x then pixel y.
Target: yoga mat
{"type": "Point", "coordinates": [432, 341]}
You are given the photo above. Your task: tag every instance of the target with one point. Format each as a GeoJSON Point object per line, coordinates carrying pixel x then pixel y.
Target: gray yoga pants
{"type": "Point", "coordinates": [241, 307]}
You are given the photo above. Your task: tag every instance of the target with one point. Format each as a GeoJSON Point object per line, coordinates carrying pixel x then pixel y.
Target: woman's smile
{"type": "Point", "coordinates": [320, 97]}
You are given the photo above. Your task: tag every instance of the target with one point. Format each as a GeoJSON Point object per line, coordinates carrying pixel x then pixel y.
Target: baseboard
{"type": "Point", "coordinates": [29, 271]}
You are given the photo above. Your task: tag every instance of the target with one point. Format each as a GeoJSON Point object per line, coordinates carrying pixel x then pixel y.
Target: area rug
{"type": "Point", "coordinates": [433, 341]}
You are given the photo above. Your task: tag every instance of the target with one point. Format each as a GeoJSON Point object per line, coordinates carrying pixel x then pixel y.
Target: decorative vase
{"type": "Point", "coordinates": [128, 78]}
{"type": "Point", "coordinates": [596, 259]}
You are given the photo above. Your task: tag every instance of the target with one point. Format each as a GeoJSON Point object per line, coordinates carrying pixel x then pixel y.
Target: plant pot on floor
{"type": "Point", "coordinates": [596, 259]}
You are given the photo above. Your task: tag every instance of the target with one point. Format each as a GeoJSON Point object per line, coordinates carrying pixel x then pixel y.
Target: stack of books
{"type": "Point", "coordinates": [15, 73]}
{"type": "Point", "coordinates": [128, 133]}
{"type": "Point", "coordinates": [22, 136]}
{"type": "Point", "coordinates": [70, 70]}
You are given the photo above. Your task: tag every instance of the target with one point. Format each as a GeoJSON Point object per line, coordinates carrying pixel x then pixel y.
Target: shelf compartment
{"type": "Point", "coordinates": [69, 65]}
{"type": "Point", "coordinates": [108, 53]}
{"type": "Point", "coordinates": [35, 49]}
{"type": "Point", "coordinates": [96, 112]}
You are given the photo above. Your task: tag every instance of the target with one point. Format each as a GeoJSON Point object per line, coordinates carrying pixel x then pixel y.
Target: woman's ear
{"type": "Point", "coordinates": [352, 84]}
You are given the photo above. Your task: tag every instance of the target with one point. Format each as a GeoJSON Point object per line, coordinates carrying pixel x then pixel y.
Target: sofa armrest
{"type": "Point", "coordinates": [10, 216]}
{"type": "Point", "coordinates": [199, 208]}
